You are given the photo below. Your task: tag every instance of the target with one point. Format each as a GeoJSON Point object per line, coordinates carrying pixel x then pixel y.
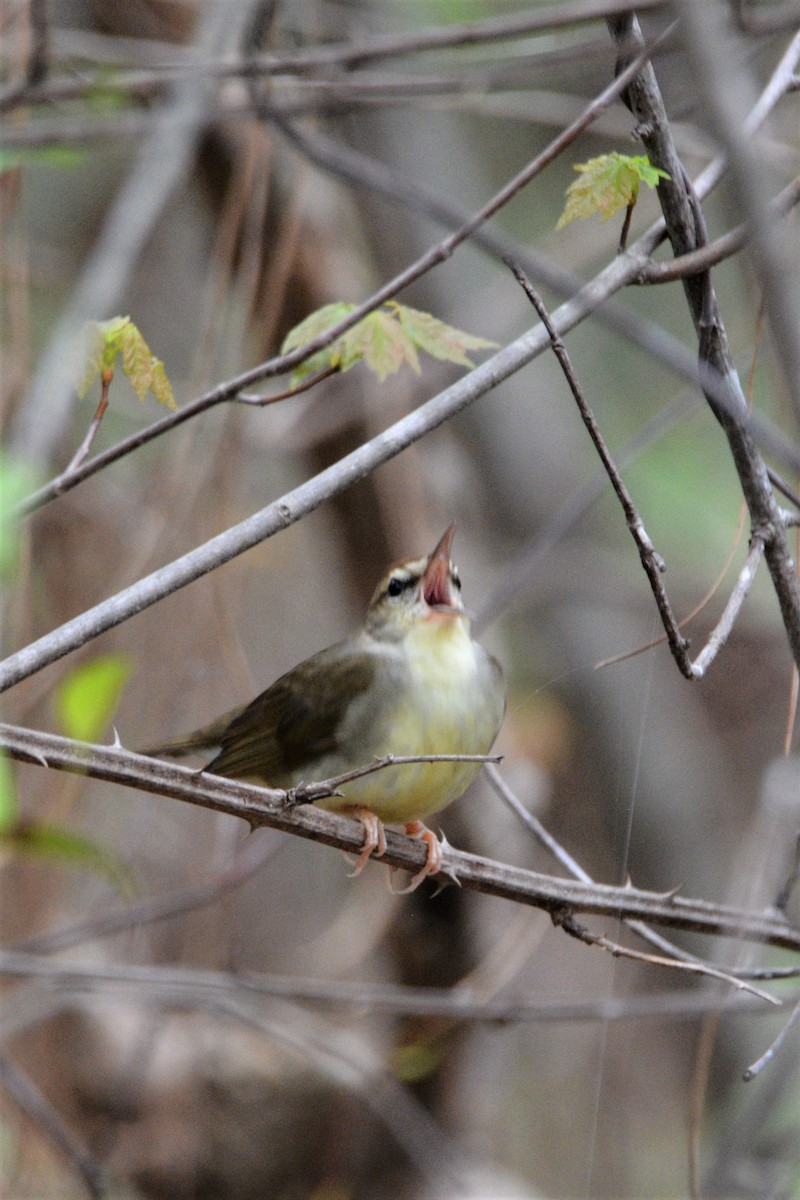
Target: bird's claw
{"type": "Point", "coordinates": [374, 839]}
{"type": "Point", "coordinates": [433, 864]}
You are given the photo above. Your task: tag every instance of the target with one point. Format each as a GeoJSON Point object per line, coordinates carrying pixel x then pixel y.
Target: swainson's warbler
{"type": "Point", "coordinates": [411, 681]}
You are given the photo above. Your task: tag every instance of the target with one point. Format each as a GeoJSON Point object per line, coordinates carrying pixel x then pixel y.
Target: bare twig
{"type": "Point", "coordinates": [568, 923]}
{"type": "Point", "coordinates": [86, 445]}
{"type": "Point", "coordinates": [249, 859]}
{"type": "Point", "coordinates": [350, 55]}
{"type": "Point", "coordinates": [768, 1055]}
{"type": "Point", "coordinates": [47, 1119]}
{"type": "Point", "coordinates": [652, 562]}
{"type": "Point", "coordinates": [561, 855]}
{"type": "Point", "coordinates": [264, 806]}
{"type": "Point", "coordinates": [696, 261]}
{"type": "Point", "coordinates": [732, 609]}
{"type": "Point", "coordinates": [308, 793]}
{"type": "Point", "coordinates": [183, 985]}
{"type": "Point", "coordinates": [712, 48]}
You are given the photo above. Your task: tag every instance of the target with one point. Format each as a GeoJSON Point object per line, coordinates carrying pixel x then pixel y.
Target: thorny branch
{"type": "Point", "coordinates": [264, 806]}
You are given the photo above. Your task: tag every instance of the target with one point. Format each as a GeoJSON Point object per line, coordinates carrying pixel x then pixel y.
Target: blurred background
{"type": "Point", "coordinates": [257, 206]}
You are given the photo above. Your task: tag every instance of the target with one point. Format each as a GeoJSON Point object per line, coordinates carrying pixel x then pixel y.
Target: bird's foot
{"type": "Point", "coordinates": [374, 838]}
{"type": "Point", "coordinates": [433, 858]}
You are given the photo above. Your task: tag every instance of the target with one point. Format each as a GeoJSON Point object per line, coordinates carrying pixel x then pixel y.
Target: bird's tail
{"type": "Point", "coordinates": [207, 740]}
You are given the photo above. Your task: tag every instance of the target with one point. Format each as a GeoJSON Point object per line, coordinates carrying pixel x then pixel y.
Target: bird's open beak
{"type": "Point", "coordinates": [436, 586]}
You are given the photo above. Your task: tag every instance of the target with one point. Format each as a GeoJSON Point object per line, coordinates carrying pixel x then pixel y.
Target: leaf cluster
{"type": "Point", "coordinates": [104, 341]}
{"type": "Point", "coordinates": [607, 185]}
{"type": "Point", "coordinates": [384, 340]}
{"type": "Point", "coordinates": [84, 704]}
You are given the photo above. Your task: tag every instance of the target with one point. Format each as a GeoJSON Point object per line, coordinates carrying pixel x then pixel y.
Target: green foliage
{"type": "Point", "coordinates": [607, 185]}
{"type": "Point", "coordinates": [50, 156]}
{"type": "Point", "coordinates": [384, 340]}
{"type": "Point", "coordinates": [419, 1059]}
{"type": "Point", "coordinates": [86, 698]}
{"type": "Point", "coordinates": [55, 844]}
{"type": "Point", "coordinates": [8, 795]}
{"type": "Point", "coordinates": [103, 341]}
{"type": "Point", "coordinates": [52, 843]}
{"type": "Point", "coordinates": [17, 480]}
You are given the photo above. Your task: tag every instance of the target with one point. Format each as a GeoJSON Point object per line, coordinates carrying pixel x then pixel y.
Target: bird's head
{"type": "Point", "coordinates": [417, 589]}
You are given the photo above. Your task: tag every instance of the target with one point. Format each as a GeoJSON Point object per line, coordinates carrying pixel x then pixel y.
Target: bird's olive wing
{"type": "Point", "coordinates": [281, 734]}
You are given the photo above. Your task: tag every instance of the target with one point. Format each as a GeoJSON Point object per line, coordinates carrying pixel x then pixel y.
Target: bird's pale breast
{"type": "Point", "coordinates": [440, 693]}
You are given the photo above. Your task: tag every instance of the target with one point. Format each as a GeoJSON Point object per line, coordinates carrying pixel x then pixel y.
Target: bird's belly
{"type": "Point", "coordinates": [447, 706]}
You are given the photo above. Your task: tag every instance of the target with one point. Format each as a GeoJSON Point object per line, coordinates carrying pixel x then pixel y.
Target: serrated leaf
{"type": "Point", "coordinates": [317, 322]}
{"type": "Point", "coordinates": [607, 184]}
{"type": "Point", "coordinates": [86, 698]}
{"type": "Point", "coordinates": [381, 342]}
{"type": "Point", "coordinates": [17, 480]}
{"type": "Point", "coordinates": [9, 807]}
{"type": "Point", "coordinates": [53, 843]}
{"type": "Point", "coordinates": [441, 341]}
{"type": "Point", "coordinates": [90, 361]}
{"type": "Point", "coordinates": [160, 385]}
{"type": "Point", "coordinates": [137, 361]}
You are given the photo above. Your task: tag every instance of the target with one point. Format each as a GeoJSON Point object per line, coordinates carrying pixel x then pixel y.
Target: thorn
{"type": "Point", "coordinates": [117, 741]}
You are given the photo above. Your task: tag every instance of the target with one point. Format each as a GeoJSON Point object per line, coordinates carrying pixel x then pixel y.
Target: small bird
{"type": "Point", "coordinates": [410, 681]}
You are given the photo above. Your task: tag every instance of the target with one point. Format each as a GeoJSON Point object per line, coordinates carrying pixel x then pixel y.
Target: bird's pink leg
{"type": "Point", "coordinates": [374, 838]}
{"type": "Point", "coordinates": [433, 859]}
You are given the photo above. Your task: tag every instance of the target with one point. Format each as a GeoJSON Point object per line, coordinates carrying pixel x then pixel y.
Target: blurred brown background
{"type": "Point", "coordinates": [636, 771]}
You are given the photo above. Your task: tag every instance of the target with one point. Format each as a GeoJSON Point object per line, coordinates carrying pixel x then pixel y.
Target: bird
{"type": "Point", "coordinates": [410, 681]}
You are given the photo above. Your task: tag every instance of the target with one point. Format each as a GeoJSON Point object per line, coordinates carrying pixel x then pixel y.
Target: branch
{"type": "Point", "coordinates": [686, 230]}
{"type": "Point", "coordinates": [652, 562]}
{"type": "Point", "coordinates": [183, 985]}
{"type": "Point", "coordinates": [568, 923]}
{"type": "Point", "coordinates": [697, 261]}
{"type": "Point", "coordinates": [264, 806]}
{"type": "Point", "coordinates": [349, 55]}
{"type": "Point", "coordinates": [39, 424]}
{"type": "Point", "coordinates": [48, 1120]}
{"type": "Point", "coordinates": [435, 255]}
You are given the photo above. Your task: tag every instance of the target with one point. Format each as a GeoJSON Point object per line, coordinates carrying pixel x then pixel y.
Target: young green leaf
{"type": "Point", "coordinates": [381, 342]}
{"type": "Point", "coordinates": [137, 361]}
{"type": "Point", "coordinates": [384, 340]}
{"type": "Point", "coordinates": [86, 698]}
{"type": "Point", "coordinates": [160, 385]}
{"type": "Point", "coordinates": [103, 341]}
{"type": "Point", "coordinates": [437, 339]}
{"type": "Point", "coordinates": [89, 357]}
{"type": "Point", "coordinates": [9, 807]}
{"type": "Point", "coordinates": [310, 327]}
{"type": "Point", "coordinates": [51, 842]}
{"type": "Point", "coordinates": [50, 156]}
{"type": "Point", "coordinates": [17, 480]}
{"type": "Point", "coordinates": [607, 185]}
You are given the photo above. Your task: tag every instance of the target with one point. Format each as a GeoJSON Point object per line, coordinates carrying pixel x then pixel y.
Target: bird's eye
{"type": "Point", "coordinates": [396, 586]}
{"type": "Point", "coordinates": [456, 578]}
